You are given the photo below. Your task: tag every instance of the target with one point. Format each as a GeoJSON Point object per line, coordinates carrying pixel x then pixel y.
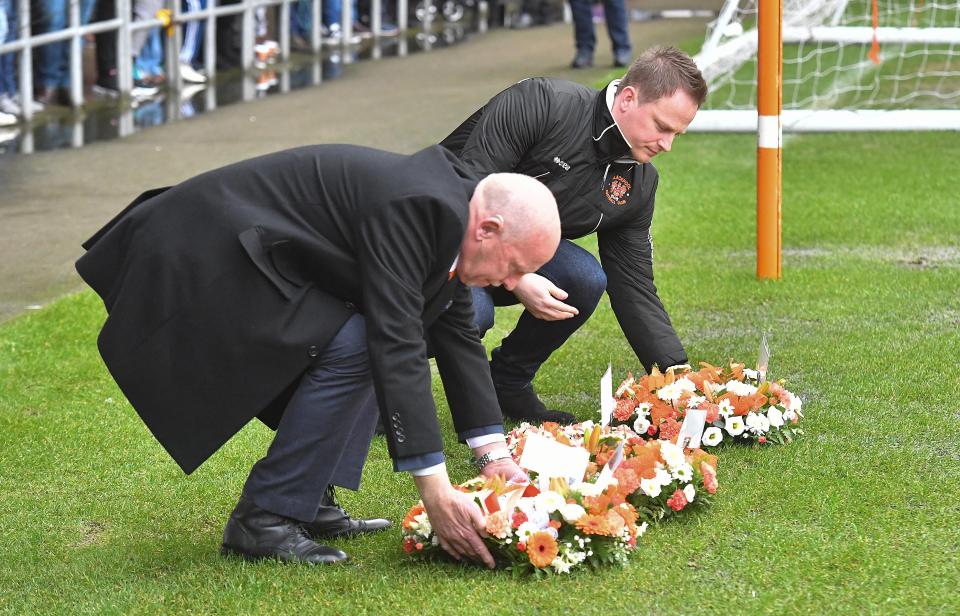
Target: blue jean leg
{"type": "Point", "coordinates": [615, 13]}
{"type": "Point", "coordinates": [516, 361]}
{"type": "Point", "coordinates": [583, 32]}
{"type": "Point", "coordinates": [54, 62]}
{"type": "Point", "coordinates": [325, 432]}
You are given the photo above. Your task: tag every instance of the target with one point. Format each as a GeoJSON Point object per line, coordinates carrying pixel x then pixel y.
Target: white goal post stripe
{"type": "Point", "coordinates": [828, 120]}
{"type": "Point", "coordinates": [864, 34]}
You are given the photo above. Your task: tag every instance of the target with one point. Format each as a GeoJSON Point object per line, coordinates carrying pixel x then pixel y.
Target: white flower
{"type": "Point", "coordinates": [684, 473]}
{"type": "Point", "coordinates": [726, 408]}
{"type": "Point", "coordinates": [560, 565]}
{"type": "Point", "coordinates": [549, 501]}
{"type": "Point", "coordinates": [539, 519]}
{"type": "Point", "coordinates": [735, 425]}
{"type": "Point", "coordinates": [711, 437]}
{"type": "Point", "coordinates": [672, 454]}
{"type": "Point", "coordinates": [589, 489]}
{"type": "Point", "coordinates": [757, 423]}
{"type": "Point", "coordinates": [751, 374]}
{"type": "Point", "coordinates": [740, 389]}
{"type": "Point", "coordinates": [695, 401]}
{"type": "Point", "coordinates": [686, 384]}
{"type": "Point", "coordinates": [673, 391]}
{"type": "Point", "coordinates": [644, 408]}
{"type": "Point", "coordinates": [775, 417]}
{"type": "Point", "coordinates": [587, 425]}
{"type": "Point", "coordinates": [641, 425]}
{"type": "Point", "coordinates": [663, 477]}
{"type": "Point", "coordinates": [641, 529]}
{"type": "Point", "coordinates": [526, 529]}
{"type": "Point", "coordinates": [689, 492]}
{"type": "Point", "coordinates": [572, 512]}
{"type": "Point", "coordinates": [789, 415]}
{"type": "Point", "coordinates": [796, 405]}
{"type": "Point", "coordinates": [650, 487]}
{"type": "Point", "coordinates": [421, 523]}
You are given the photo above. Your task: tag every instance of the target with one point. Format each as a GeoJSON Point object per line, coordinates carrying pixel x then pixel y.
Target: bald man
{"type": "Point", "coordinates": [305, 288]}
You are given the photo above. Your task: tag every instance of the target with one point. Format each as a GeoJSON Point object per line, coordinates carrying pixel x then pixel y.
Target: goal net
{"type": "Point", "coordinates": [847, 65]}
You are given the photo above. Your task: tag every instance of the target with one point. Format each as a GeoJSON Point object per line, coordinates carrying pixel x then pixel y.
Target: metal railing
{"type": "Point", "coordinates": [126, 26]}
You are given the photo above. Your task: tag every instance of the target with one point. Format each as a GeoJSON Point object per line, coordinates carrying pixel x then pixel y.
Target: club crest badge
{"type": "Point", "coordinates": [618, 190]}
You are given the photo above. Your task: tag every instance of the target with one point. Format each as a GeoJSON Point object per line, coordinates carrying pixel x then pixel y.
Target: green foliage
{"type": "Point", "coordinates": [859, 516]}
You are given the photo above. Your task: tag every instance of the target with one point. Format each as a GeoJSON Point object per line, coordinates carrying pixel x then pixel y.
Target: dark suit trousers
{"type": "Point", "coordinates": [325, 433]}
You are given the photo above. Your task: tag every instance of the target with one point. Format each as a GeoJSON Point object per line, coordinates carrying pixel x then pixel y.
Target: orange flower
{"type": "Point", "coordinates": [661, 411]}
{"type": "Point", "coordinates": [597, 504]}
{"type": "Point", "coordinates": [541, 549]}
{"type": "Point", "coordinates": [593, 525]}
{"type": "Point", "coordinates": [414, 512]}
{"type": "Point", "coordinates": [709, 477]}
{"type": "Point", "coordinates": [624, 409]}
{"type": "Point", "coordinates": [498, 524]}
{"type": "Point", "coordinates": [713, 411]}
{"type": "Point", "coordinates": [669, 429]}
{"type": "Point", "coordinates": [614, 522]}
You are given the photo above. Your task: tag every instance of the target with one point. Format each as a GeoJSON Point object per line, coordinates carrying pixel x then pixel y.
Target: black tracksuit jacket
{"type": "Point", "coordinates": [563, 134]}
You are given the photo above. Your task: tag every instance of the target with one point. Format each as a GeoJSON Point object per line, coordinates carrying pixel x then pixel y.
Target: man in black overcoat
{"type": "Point", "coordinates": [592, 149]}
{"type": "Point", "coordinates": [305, 288]}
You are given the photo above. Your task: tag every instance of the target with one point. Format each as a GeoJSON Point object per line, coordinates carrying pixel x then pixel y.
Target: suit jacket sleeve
{"type": "Point", "coordinates": [626, 253]}
{"type": "Point", "coordinates": [462, 362]}
{"type": "Point", "coordinates": [504, 129]}
{"type": "Point", "coordinates": [396, 250]}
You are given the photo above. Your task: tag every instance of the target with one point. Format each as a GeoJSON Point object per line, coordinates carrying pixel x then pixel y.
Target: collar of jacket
{"type": "Point", "coordinates": [608, 142]}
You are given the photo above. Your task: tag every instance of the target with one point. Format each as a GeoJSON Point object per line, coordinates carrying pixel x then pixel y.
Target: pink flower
{"type": "Point", "coordinates": [678, 501]}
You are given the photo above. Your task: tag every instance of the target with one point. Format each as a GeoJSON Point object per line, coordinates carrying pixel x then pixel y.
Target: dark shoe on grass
{"type": "Point", "coordinates": [525, 405]}
{"type": "Point", "coordinates": [332, 521]}
{"type": "Point", "coordinates": [253, 533]}
{"type": "Point", "coordinates": [583, 59]}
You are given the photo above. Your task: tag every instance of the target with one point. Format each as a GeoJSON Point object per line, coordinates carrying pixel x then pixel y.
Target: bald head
{"type": "Point", "coordinates": [514, 229]}
{"type": "Point", "coordinates": [529, 210]}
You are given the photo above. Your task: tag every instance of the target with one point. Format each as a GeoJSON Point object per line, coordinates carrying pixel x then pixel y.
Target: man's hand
{"type": "Point", "coordinates": [506, 468]}
{"type": "Point", "coordinates": [542, 298]}
{"type": "Point", "coordinates": [455, 518]}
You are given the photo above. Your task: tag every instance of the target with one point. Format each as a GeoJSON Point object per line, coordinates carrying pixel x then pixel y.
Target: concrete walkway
{"type": "Point", "coordinates": [51, 201]}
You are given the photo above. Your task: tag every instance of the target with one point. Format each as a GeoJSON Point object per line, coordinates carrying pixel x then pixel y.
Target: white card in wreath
{"type": "Point", "coordinates": [764, 359]}
{"type": "Point", "coordinates": [607, 403]}
{"type": "Point", "coordinates": [548, 458]}
{"type": "Point", "coordinates": [606, 475]}
{"type": "Point", "coordinates": [691, 429]}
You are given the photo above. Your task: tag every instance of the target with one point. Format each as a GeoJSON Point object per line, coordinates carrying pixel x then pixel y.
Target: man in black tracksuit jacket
{"type": "Point", "coordinates": [592, 150]}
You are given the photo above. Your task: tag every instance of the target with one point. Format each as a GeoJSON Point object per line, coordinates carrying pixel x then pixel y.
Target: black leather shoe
{"type": "Point", "coordinates": [332, 521]}
{"type": "Point", "coordinates": [622, 58]}
{"type": "Point", "coordinates": [253, 533]}
{"type": "Point", "coordinates": [583, 59]}
{"type": "Point", "coordinates": [525, 405]}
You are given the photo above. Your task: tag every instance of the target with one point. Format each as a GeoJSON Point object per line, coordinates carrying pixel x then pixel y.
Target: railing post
{"type": "Point", "coordinates": [248, 28]}
{"type": "Point", "coordinates": [346, 23]}
{"type": "Point", "coordinates": [402, 16]}
{"type": "Point", "coordinates": [210, 41]}
{"type": "Point", "coordinates": [316, 22]}
{"type": "Point", "coordinates": [76, 57]}
{"type": "Point", "coordinates": [376, 25]}
{"type": "Point", "coordinates": [26, 59]}
{"type": "Point", "coordinates": [174, 44]}
{"type": "Point", "coordinates": [285, 30]}
{"type": "Point", "coordinates": [124, 53]}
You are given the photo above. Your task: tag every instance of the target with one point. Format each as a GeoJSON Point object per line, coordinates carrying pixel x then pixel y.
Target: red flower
{"type": "Point", "coordinates": [709, 477]}
{"type": "Point", "coordinates": [408, 544]}
{"type": "Point", "coordinates": [762, 440]}
{"type": "Point", "coordinates": [678, 501]}
{"type": "Point", "coordinates": [518, 518]}
{"type": "Point", "coordinates": [419, 546]}
{"type": "Point", "coordinates": [522, 546]}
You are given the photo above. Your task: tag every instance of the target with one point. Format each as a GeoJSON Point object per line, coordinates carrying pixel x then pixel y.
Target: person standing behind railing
{"type": "Point", "coordinates": [615, 14]}
{"type": "Point", "coordinates": [53, 68]}
{"type": "Point", "coordinates": [7, 83]}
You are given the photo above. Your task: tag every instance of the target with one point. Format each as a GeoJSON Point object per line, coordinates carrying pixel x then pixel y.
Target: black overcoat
{"type": "Point", "coordinates": [220, 291]}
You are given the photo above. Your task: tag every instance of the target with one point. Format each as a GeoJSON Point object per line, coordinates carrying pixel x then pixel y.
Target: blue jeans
{"type": "Point", "coordinates": [149, 61]}
{"type": "Point", "coordinates": [54, 65]}
{"type": "Point", "coordinates": [8, 32]}
{"type": "Point", "coordinates": [516, 361]}
{"type": "Point", "coordinates": [325, 432]}
{"type": "Point", "coordinates": [300, 17]}
{"type": "Point", "coordinates": [615, 14]}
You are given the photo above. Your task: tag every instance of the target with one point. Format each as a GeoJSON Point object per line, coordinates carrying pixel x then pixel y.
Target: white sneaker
{"type": "Point", "coordinates": [7, 119]}
{"type": "Point", "coordinates": [190, 74]}
{"type": "Point", "coordinates": [9, 106]}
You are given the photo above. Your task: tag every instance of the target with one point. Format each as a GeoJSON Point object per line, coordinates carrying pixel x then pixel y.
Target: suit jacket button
{"type": "Point", "coordinates": [350, 305]}
{"type": "Point", "coordinates": [313, 351]}
{"type": "Point", "coordinates": [401, 438]}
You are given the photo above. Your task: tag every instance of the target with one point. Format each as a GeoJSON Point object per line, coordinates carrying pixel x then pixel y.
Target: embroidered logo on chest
{"type": "Point", "coordinates": [617, 190]}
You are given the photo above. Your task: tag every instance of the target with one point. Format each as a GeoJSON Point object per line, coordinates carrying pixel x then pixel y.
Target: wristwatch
{"type": "Point", "coordinates": [491, 456]}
